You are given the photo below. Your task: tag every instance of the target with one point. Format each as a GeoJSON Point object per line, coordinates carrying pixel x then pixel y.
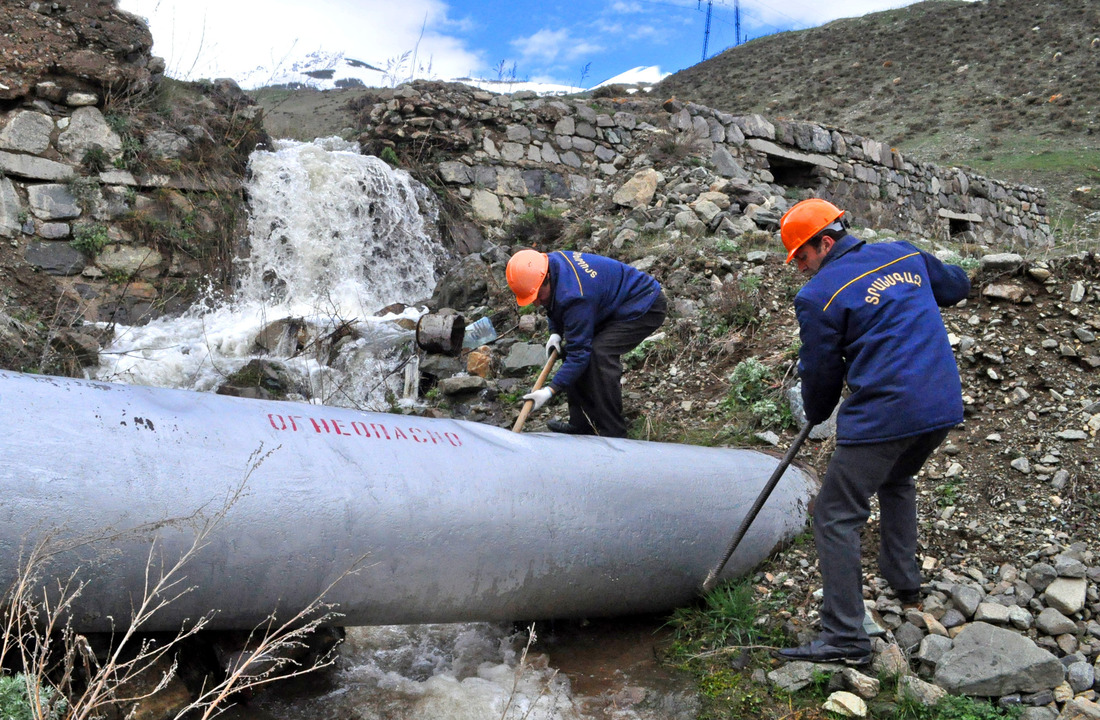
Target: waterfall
{"type": "Point", "coordinates": [332, 226]}
{"type": "Point", "coordinates": [335, 236]}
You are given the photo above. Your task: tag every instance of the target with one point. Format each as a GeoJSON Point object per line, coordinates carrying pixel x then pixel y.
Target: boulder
{"type": "Point", "coordinates": [992, 612]}
{"type": "Point", "coordinates": [794, 676]}
{"type": "Point", "coordinates": [34, 168]}
{"type": "Point", "coordinates": [55, 258]}
{"type": "Point", "coordinates": [864, 686]}
{"type": "Point", "coordinates": [10, 209]}
{"type": "Point", "coordinates": [966, 599]}
{"type": "Point", "coordinates": [638, 191]}
{"type": "Point", "coordinates": [923, 692]}
{"type": "Point", "coordinates": [1005, 291]}
{"type": "Point", "coordinates": [1054, 623]}
{"type": "Point", "coordinates": [1001, 262]}
{"type": "Point", "coordinates": [52, 202]}
{"type": "Point", "coordinates": [129, 259]}
{"type": "Point", "coordinates": [989, 661]}
{"type": "Point", "coordinates": [846, 704]}
{"type": "Point", "coordinates": [486, 206]}
{"type": "Point", "coordinates": [726, 165]}
{"type": "Point", "coordinates": [27, 131]}
{"type": "Point", "coordinates": [1066, 595]}
{"type": "Point", "coordinates": [1080, 709]}
{"type": "Point", "coordinates": [260, 380]}
{"type": "Point", "coordinates": [87, 130]}
{"type": "Point", "coordinates": [466, 284]}
{"type": "Point", "coordinates": [1081, 676]}
{"type": "Point", "coordinates": [84, 349]}
{"type": "Point", "coordinates": [480, 362]}
{"type": "Point", "coordinates": [523, 356]}
{"type": "Point", "coordinates": [689, 222]}
{"type": "Point", "coordinates": [462, 385]}
{"type": "Point", "coordinates": [455, 172]}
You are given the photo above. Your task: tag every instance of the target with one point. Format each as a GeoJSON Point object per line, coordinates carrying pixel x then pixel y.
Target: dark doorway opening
{"type": "Point", "coordinates": [794, 173]}
{"type": "Point", "coordinates": [957, 226]}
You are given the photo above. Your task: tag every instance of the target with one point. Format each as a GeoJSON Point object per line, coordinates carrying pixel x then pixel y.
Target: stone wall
{"type": "Point", "coordinates": [114, 206]}
{"type": "Point", "coordinates": [501, 150]}
{"type": "Point", "coordinates": [883, 188]}
{"type": "Point", "coordinates": [120, 189]}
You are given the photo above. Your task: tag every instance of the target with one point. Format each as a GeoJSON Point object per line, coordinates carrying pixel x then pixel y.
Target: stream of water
{"type": "Point", "coordinates": [600, 670]}
{"type": "Point", "coordinates": [335, 237]}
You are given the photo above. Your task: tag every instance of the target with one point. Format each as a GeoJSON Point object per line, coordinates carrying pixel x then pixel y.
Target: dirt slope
{"type": "Point", "coordinates": [1009, 87]}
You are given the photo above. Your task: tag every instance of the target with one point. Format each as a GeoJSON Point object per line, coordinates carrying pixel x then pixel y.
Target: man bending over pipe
{"type": "Point", "coordinates": [869, 316]}
{"type": "Point", "coordinates": [601, 308]}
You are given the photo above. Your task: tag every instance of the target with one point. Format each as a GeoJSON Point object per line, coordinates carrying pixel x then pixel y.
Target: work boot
{"type": "Point", "coordinates": [819, 652]}
{"type": "Point", "coordinates": [910, 599]}
{"type": "Point", "coordinates": [561, 426]}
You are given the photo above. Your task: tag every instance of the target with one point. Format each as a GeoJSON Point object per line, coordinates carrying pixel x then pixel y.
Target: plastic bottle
{"type": "Point", "coordinates": [478, 333]}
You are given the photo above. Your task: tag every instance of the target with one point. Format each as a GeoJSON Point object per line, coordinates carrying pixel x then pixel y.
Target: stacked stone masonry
{"type": "Point", "coordinates": [508, 148]}
{"type": "Point", "coordinates": [72, 220]}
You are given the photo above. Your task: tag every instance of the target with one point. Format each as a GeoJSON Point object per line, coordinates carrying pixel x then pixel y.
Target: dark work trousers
{"type": "Point", "coordinates": [596, 398]}
{"type": "Point", "coordinates": [855, 473]}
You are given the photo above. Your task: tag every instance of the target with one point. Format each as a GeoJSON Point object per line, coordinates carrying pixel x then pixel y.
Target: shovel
{"type": "Point", "coordinates": [712, 576]}
{"type": "Point", "coordinates": [523, 413]}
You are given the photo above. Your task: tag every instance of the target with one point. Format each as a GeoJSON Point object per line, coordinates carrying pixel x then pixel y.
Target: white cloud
{"type": "Point", "coordinates": [550, 46]}
{"type": "Point", "coordinates": [209, 38]}
{"type": "Point", "coordinates": [651, 33]}
{"type": "Point", "coordinates": [619, 6]}
{"type": "Point", "coordinates": [810, 13]}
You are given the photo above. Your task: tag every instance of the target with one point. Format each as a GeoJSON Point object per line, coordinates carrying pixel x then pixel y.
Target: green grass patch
{"type": "Point", "coordinates": [90, 238]}
{"type": "Point", "coordinates": [15, 702]}
{"type": "Point", "coordinates": [1086, 162]}
{"type": "Point", "coordinates": [729, 634]}
{"type": "Point", "coordinates": [951, 707]}
{"type": "Point", "coordinates": [755, 394]}
{"type": "Point", "coordinates": [719, 641]}
{"type": "Point", "coordinates": [728, 615]}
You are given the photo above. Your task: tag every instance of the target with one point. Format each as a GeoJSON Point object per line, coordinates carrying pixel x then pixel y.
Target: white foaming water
{"type": "Point", "coordinates": [469, 671]}
{"type": "Point", "coordinates": [335, 236]}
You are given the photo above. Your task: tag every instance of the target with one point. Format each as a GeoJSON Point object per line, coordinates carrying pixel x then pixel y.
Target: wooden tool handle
{"type": "Point", "coordinates": [518, 427]}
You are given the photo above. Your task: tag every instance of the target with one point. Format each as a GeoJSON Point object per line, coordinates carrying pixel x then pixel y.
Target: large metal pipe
{"type": "Point", "coordinates": [457, 521]}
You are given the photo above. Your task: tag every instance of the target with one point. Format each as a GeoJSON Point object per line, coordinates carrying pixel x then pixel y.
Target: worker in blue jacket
{"type": "Point", "coordinates": [869, 318]}
{"type": "Point", "coordinates": [600, 308]}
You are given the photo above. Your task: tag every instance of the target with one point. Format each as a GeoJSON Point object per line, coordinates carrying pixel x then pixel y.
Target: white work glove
{"type": "Point", "coordinates": [554, 343]}
{"type": "Point", "coordinates": [540, 397]}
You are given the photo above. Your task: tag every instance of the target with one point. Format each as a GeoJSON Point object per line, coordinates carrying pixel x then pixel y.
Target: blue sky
{"type": "Point", "coordinates": [579, 42]}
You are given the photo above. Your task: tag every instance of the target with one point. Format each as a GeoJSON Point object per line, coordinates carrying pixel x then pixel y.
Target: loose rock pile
{"type": "Point", "coordinates": [1026, 636]}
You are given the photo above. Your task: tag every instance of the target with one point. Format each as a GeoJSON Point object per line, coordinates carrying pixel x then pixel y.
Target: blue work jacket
{"type": "Point", "coordinates": [586, 292]}
{"type": "Point", "coordinates": [870, 317]}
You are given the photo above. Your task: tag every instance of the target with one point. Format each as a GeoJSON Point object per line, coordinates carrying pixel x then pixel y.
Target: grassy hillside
{"type": "Point", "coordinates": [1010, 88]}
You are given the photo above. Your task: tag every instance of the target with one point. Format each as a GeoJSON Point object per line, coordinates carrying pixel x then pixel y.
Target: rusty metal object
{"type": "Point", "coordinates": [436, 333]}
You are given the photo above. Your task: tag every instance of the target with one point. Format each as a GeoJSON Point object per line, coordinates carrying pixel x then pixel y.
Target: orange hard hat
{"type": "Point", "coordinates": [525, 272]}
{"type": "Point", "coordinates": [804, 220]}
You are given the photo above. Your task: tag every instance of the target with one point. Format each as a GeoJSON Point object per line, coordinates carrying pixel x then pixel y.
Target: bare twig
{"type": "Point", "coordinates": [35, 614]}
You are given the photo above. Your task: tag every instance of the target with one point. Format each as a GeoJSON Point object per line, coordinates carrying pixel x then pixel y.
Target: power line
{"type": "Point", "coordinates": [737, 21]}
{"type": "Point", "coordinates": [752, 18]}
{"type": "Point", "coordinates": [706, 29]}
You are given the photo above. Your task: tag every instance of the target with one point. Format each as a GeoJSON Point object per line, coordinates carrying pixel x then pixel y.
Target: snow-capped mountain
{"type": "Point", "coordinates": [328, 70]}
